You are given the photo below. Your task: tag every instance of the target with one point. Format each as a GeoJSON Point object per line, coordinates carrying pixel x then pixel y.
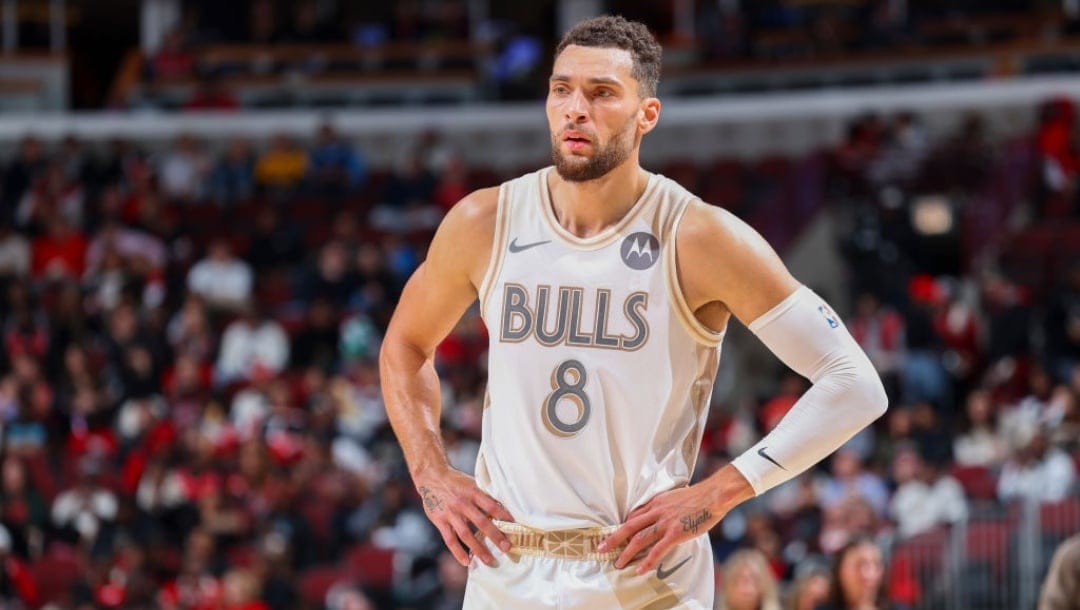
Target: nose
{"type": "Point", "coordinates": [576, 107]}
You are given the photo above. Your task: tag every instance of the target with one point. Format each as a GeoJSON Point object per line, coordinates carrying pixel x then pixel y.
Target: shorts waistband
{"type": "Point", "coordinates": [562, 544]}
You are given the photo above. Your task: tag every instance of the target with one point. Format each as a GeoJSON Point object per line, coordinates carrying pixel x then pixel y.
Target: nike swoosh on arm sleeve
{"type": "Point", "coordinates": [846, 396]}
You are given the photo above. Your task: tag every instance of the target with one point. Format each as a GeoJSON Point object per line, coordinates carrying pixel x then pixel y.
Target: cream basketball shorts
{"type": "Point", "coordinates": [562, 570]}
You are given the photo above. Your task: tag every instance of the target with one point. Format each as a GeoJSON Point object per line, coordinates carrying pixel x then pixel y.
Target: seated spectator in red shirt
{"type": "Point", "coordinates": [173, 61]}
{"type": "Point", "coordinates": [60, 252]}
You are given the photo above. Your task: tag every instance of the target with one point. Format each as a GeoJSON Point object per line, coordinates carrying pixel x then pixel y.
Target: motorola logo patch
{"type": "Point", "coordinates": [640, 250]}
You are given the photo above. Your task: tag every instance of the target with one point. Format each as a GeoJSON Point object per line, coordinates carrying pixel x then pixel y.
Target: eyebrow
{"type": "Point", "coordinates": [596, 80]}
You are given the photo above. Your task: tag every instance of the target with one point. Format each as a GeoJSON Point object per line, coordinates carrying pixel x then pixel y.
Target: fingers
{"type": "Point", "coordinates": [452, 543]}
{"type": "Point", "coordinates": [621, 535]}
{"type": "Point", "coordinates": [658, 551]}
{"type": "Point", "coordinates": [466, 535]}
{"type": "Point", "coordinates": [493, 507]}
{"type": "Point", "coordinates": [484, 524]}
{"type": "Point", "coordinates": [640, 541]}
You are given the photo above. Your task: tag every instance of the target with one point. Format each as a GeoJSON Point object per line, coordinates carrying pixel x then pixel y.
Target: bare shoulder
{"type": "Point", "coordinates": [464, 238]}
{"type": "Point", "coordinates": [723, 259]}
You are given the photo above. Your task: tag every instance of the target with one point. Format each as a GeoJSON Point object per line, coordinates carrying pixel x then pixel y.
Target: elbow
{"type": "Point", "coordinates": [872, 394]}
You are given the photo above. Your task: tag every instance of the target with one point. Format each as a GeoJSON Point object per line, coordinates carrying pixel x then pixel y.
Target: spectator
{"type": "Point", "coordinates": [923, 377]}
{"type": "Point", "coordinates": [22, 172]}
{"type": "Point", "coordinates": [857, 577]}
{"type": "Point", "coordinates": [333, 278]}
{"type": "Point", "coordinates": [274, 245]}
{"type": "Point", "coordinates": [850, 479]}
{"type": "Point", "coordinates": [60, 253]}
{"type": "Point", "coordinates": [344, 596]}
{"type": "Point", "coordinates": [924, 498]}
{"type": "Point", "coordinates": [51, 193]}
{"type": "Point", "coordinates": [174, 61]}
{"type": "Point", "coordinates": [14, 252]}
{"type": "Point", "coordinates": [810, 589]}
{"type": "Point", "coordinates": [281, 168]}
{"type": "Point", "coordinates": [189, 332]}
{"type": "Point", "coordinates": [17, 583]}
{"type": "Point", "coordinates": [317, 343]}
{"type": "Point", "coordinates": [240, 591]}
{"type": "Point", "coordinates": [232, 179]}
{"type": "Point", "coordinates": [1037, 472]}
{"type": "Point", "coordinates": [406, 201]}
{"type": "Point", "coordinates": [979, 443]}
{"type": "Point", "coordinates": [23, 511]}
{"type": "Point", "coordinates": [183, 171]}
{"type": "Point", "coordinates": [879, 331]}
{"type": "Point", "coordinates": [747, 583]}
{"type": "Point", "coordinates": [336, 167]}
{"type": "Point", "coordinates": [253, 342]}
{"type": "Point", "coordinates": [452, 578]}
{"type": "Point", "coordinates": [1062, 325]}
{"type": "Point", "coordinates": [221, 279]}
{"type": "Point", "coordinates": [83, 511]}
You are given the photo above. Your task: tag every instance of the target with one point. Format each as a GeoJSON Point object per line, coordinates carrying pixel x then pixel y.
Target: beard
{"type": "Point", "coordinates": [573, 168]}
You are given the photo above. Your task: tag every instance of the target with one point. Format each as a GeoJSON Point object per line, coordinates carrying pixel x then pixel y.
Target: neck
{"type": "Point", "coordinates": [587, 208]}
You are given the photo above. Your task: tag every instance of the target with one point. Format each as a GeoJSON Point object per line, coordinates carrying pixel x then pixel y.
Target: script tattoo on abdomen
{"type": "Point", "coordinates": [431, 501]}
{"type": "Point", "coordinates": [692, 523]}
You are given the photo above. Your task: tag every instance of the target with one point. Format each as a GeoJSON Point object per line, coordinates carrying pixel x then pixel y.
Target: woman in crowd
{"type": "Point", "coordinates": [858, 577]}
{"type": "Point", "coordinates": [748, 583]}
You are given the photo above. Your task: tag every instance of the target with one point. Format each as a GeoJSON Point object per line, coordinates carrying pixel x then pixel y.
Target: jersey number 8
{"type": "Point", "coordinates": [567, 382]}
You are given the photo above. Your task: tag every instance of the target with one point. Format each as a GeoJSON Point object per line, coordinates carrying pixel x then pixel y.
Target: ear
{"type": "Point", "coordinates": [648, 114]}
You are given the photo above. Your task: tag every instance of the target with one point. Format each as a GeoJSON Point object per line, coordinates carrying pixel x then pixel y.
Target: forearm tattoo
{"type": "Point", "coordinates": [693, 523]}
{"type": "Point", "coordinates": [432, 502]}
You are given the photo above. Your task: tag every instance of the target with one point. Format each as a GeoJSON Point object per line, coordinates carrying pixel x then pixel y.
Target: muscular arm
{"type": "Point", "coordinates": [725, 268]}
{"type": "Point", "coordinates": [433, 301]}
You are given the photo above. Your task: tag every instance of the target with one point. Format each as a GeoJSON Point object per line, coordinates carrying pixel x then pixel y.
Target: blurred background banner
{"type": "Point", "coordinates": [208, 210]}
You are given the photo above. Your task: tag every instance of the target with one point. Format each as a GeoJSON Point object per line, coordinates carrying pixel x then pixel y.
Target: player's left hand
{"type": "Point", "coordinates": [675, 516]}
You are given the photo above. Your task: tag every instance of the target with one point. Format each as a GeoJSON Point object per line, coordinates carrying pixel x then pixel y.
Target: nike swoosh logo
{"type": "Point", "coordinates": [762, 453]}
{"type": "Point", "coordinates": [662, 574]}
{"type": "Point", "coordinates": [515, 248]}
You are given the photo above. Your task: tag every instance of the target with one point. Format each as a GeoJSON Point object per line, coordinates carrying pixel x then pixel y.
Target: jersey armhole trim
{"type": "Point", "coordinates": [698, 331]}
{"type": "Point", "coordinates": [498, 248]}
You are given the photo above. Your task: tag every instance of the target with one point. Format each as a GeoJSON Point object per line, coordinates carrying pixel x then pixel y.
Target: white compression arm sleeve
{"type": "Point", "coordinates": [846, 395]}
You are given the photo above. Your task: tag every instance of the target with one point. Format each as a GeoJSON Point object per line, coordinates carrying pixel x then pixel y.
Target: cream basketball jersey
{"type": "Point", "coordinates": [599, 375]}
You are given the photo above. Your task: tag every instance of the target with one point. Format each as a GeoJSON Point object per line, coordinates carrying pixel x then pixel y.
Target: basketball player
{"type": "Point", "coordinates": [606, 290]}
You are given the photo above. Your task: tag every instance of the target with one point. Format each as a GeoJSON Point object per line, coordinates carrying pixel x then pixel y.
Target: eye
{"type": "Point", "coordinates": [560, 89]}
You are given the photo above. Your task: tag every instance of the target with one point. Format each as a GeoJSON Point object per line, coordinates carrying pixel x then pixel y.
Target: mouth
{"type": "Point", "coordinates": [575, 140]}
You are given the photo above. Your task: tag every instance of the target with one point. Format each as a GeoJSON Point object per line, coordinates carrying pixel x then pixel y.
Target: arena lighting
{"type": "Point", "coordinates": [932, 215]}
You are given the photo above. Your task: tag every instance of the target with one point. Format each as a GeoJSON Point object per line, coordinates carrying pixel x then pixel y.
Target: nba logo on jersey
{"type": "Point", "coordinates": [640, 250]}
{"type": "Point", "coordinates": [829, 317]}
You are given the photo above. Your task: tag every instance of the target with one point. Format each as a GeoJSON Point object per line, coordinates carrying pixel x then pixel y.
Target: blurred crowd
{"type": "Point", "coordinates": [190, 406]}
{"type": "Point", "coordinates": [509, 47]}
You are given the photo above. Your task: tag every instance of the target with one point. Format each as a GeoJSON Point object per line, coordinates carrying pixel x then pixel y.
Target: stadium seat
{"type": "Point", "coordinates": [313, 583]}
{"type": "Point", "coordinates": [55, 573]}
{"type": "Point", "coordinates": [979, 482]}
{"type": "Point", "coordinates": [1060, 518]}
{"type": "Point", "coordinates": [372, 565]}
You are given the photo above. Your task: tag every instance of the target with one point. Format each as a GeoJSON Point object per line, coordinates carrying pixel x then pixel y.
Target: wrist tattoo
{"type": "Point", "coordinates": [431, 501]}
{"type": "Point", "coordinates": [693, 523]}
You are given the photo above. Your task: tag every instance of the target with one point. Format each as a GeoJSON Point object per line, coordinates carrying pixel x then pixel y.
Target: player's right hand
{"type": "Point", "coordinates": [459, 509]}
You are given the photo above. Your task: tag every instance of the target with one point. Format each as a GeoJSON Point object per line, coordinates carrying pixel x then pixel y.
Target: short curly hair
{"type": "Point", "coordinates": [617, 32]}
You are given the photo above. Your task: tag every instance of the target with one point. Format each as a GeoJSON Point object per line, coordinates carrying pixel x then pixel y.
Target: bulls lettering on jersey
{"type": "Point", "coordinates": [525, 316]}
{"type": "Point", "coordinates": [596, 365]}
